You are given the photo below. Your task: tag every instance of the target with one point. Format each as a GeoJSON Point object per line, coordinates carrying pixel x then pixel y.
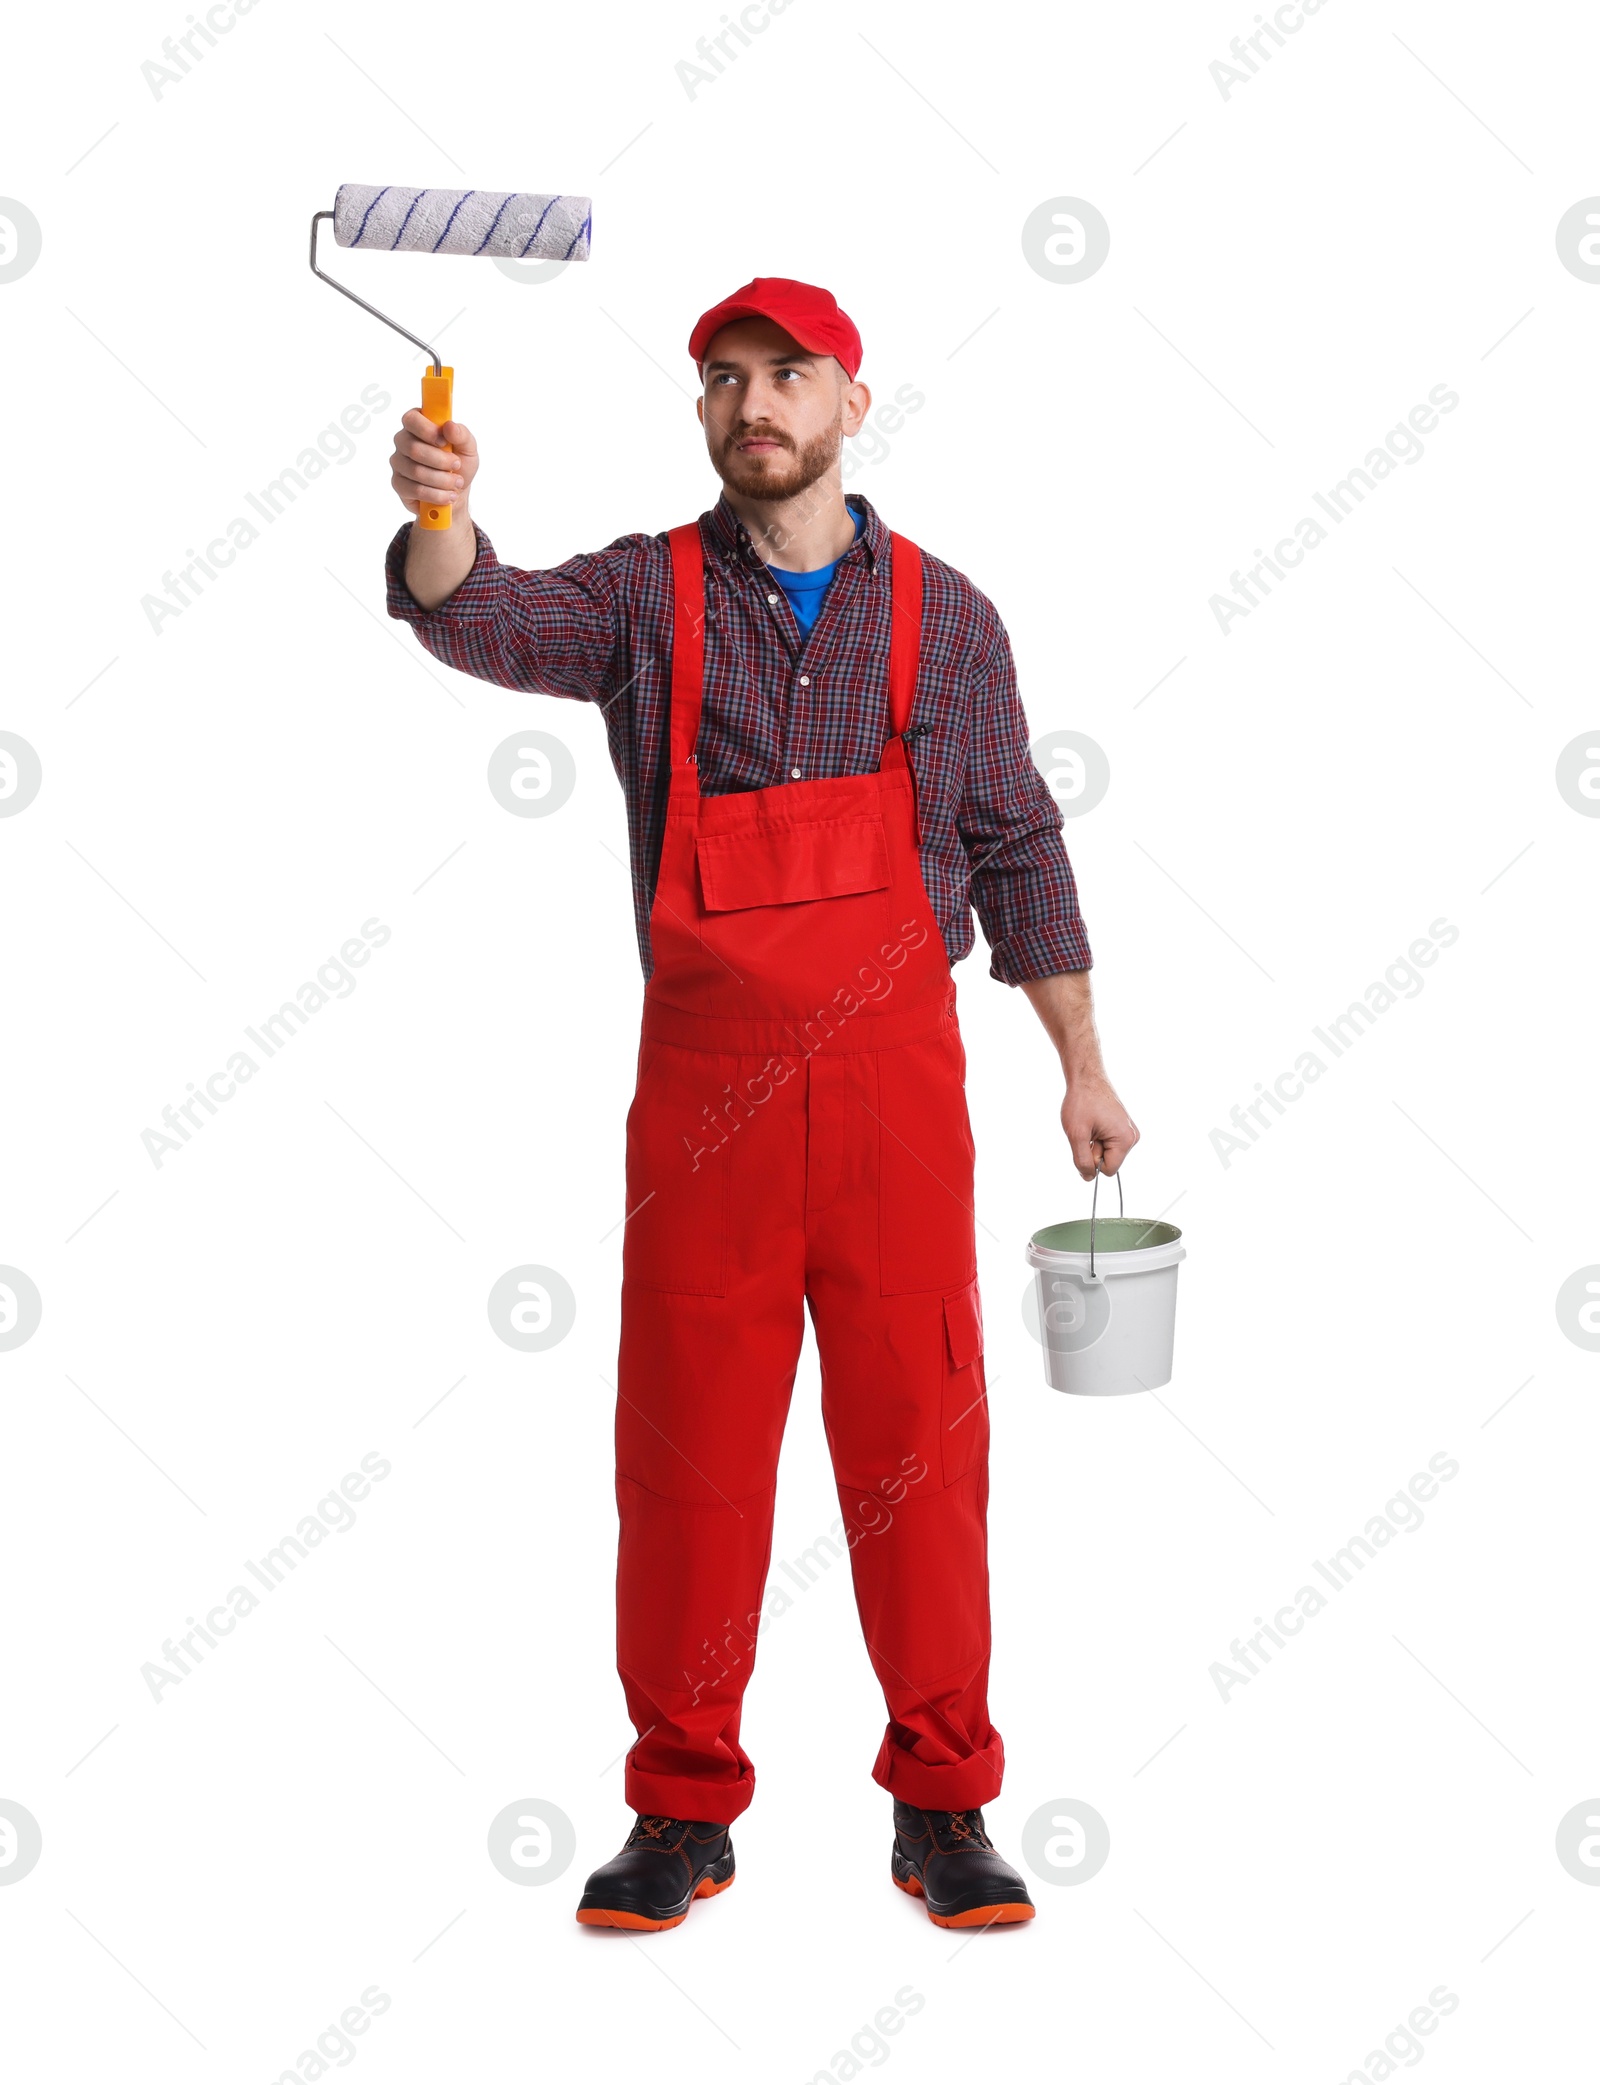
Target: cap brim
{"type": "Point", "coordinates": [735, 312]}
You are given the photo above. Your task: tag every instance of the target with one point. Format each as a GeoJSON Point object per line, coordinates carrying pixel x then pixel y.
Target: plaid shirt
{"type": "Point", "coordinates": [779, 707]}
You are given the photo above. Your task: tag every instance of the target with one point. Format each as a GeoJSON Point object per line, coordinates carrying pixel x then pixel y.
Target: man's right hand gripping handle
{"type": "Point", "coordinates": [437, 560]}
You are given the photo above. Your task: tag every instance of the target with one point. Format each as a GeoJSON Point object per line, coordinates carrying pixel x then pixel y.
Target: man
{"type": "Point", "coordinates": [826, 765]}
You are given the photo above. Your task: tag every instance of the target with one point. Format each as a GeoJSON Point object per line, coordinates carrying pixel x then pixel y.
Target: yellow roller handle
{"type": "Point", "coordinates": [436, 406]}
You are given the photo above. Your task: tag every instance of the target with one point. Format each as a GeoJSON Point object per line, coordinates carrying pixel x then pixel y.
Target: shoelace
{"type": "Point", "coordinates": [961, 1831]}
{"type": "Point", "coordinates": [651, 1830]}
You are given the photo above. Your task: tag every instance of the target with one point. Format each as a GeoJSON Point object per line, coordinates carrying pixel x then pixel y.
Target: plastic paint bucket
{"type": "Point", "coordinates": [1108, 1302]}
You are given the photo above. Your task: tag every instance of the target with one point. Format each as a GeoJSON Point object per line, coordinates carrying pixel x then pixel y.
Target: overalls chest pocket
{"type": "Point", "coordinates": [793, 863]}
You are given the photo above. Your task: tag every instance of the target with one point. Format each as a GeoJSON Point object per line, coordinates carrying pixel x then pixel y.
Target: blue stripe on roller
{"type": "Point", "coordinates": [465, 197]}
{"type": "Point", "coordinates": [489, 234]}
{"type": "Point", "coordinates": [578, 237]}
{"type": "Point", "coordinates": [539, 227]}
{"type": "Point", "coordinates": [399, 235]}
{"type": "Point", "coordinates": [376, 200]}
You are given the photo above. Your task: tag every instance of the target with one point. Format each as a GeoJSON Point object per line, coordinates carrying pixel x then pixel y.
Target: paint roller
{"type": "Point", "coordinates": [450, 220]}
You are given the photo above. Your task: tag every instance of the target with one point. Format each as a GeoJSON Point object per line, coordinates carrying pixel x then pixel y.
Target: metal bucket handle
{"type": "Point", "coordinates": [1094, 1209]}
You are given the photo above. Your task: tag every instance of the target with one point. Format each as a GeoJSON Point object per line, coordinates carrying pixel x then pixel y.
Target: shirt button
{"type": "Point", "coordinates": [795, 773]}
{"type": "Point", "coordinates": [805, 680]}
{"type": "Point", "coordinates": [772, 600]}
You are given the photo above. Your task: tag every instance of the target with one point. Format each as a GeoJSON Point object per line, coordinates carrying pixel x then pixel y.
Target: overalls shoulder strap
{"type": "Point", "coordinates": [905, 629]}
{"type": "Point", "coordinates": [688, 639]}
{"type": "Point", "coordinates": [689, 634]}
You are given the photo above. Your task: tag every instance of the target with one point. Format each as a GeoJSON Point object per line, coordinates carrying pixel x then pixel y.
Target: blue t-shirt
{"type": "Point", "coordinates": [806, 589]}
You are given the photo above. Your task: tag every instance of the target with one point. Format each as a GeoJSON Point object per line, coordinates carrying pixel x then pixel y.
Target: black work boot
{"type": "Point", "coordinates": [945, 1857]}
{"type": "Point", "coordinates": [664, 1865]}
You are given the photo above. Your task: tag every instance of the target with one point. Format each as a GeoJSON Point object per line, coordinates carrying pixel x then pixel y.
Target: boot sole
{"type": "Point", "coordinates": [637, 1922]}
{"type": "Point", "coordinates": [1004, 1914]}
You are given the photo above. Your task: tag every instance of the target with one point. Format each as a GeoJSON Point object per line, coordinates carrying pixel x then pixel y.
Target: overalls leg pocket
{"type": "Point", "coordinates": [675, 1236]}
{"type": "Point", "coordinates": [925, 1168]}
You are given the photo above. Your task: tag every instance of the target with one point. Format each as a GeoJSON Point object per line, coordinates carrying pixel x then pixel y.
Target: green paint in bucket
{"type": "Point", "coordinates": [1111, 1234]}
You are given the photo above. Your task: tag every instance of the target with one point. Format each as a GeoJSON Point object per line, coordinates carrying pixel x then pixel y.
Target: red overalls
{"type": "Point", "coordinates": [799, 1133]}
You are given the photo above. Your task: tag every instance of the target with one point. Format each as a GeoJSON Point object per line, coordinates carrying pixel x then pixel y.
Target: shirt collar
{"type": "Point", "coordinates": [731, 538]}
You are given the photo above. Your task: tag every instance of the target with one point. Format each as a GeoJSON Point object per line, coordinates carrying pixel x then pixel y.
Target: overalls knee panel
{"type": "Point", "coordinates": [799, 1135]}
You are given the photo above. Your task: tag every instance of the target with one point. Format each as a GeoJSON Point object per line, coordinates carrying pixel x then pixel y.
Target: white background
{"type": "Point", "coordinates": [1292, 1871]}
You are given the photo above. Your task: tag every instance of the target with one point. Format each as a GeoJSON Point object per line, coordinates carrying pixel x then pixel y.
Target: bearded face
{"type": "Point", "coordinates": [779, 472]}
{"type": "Point", "coordinates": [775, 414]}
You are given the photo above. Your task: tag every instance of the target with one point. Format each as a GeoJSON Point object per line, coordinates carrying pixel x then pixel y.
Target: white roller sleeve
{"type": "Point", "coordinates": [463, 220]}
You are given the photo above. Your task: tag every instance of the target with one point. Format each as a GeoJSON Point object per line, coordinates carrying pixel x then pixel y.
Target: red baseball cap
{"type": "Point", "coordinates": [805, 313]}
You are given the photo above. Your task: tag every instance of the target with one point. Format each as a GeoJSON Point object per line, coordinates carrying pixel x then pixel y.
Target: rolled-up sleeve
{"type": "Point", "coordinates": [557, 631]}
{"type": "Point", "coordinates": [1023, 889]}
